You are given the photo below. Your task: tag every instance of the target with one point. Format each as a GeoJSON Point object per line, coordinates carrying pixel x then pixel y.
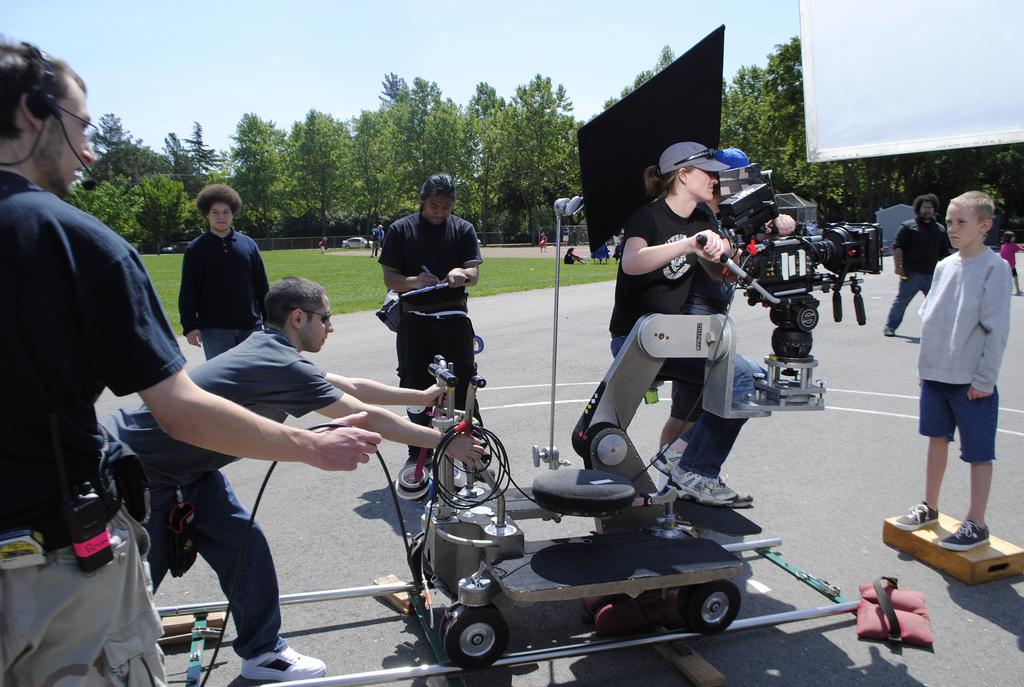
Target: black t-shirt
{"type": "Point", "coordinates": [923, 245]}
{"type": "Point", "coordinates": [412, 243]}
{"type": "Point", "coordinates": [80, 314]}
{"type": "Point", "coordinates": [665, 289]}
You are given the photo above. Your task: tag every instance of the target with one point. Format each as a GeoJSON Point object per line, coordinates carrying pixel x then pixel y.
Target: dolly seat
{"type": "Point", "coordinates": [587, 493]}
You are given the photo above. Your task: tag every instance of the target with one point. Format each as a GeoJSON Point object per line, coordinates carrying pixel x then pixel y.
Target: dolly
{"type": "Point", "coordinates": [472, 564]}
{"type": "Point", "coordinates": [473, 547]}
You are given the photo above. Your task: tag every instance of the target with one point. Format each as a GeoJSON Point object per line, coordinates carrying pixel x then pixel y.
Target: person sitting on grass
{"type": "Point", "coordinates": [571, 257]}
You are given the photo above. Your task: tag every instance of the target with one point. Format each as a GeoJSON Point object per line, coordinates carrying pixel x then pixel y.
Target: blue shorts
{"type": "Point", "coordinates": [945, 407]}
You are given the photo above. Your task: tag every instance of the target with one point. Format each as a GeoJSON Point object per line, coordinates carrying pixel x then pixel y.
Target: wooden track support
{"type": "Point", "coordinates": [178, 628]}
{"type": "Point", "coordinates": [691, 664]}
{"type": "Point", "coordinates": [398, 601]}
{"type": "Point", "coordinates": [998, 560]}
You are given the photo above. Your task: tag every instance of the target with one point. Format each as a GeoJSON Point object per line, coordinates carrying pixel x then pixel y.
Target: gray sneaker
{"type": "Point", "coordinates": [738, 500]}
{"type": "Point", "coordinates": [703, 490]}
{"type": "Point", "coordinates": [665, 459]}
{"type": "Point", "coordinates": [888, 332]}
{"type": "Point", "coordinates": [968, 536]}
{"type": "Point", "coordinates": [917, 517]}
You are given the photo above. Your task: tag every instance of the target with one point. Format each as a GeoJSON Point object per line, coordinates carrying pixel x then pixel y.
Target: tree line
{"type": "Point", "coordinates": [510, 159]}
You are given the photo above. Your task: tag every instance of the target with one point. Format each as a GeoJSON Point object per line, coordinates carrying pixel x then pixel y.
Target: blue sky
{"type": "Point", "coordinates": [159, 66]}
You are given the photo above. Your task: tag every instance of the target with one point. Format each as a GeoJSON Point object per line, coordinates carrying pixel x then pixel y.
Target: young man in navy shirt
{"type": "Point", "coordinates": [223, 281]}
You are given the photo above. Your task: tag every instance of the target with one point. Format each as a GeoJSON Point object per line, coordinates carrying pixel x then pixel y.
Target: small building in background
{"type": "Point", "coordinates": [891, 218]}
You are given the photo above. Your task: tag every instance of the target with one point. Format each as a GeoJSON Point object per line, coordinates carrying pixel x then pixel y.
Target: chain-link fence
{"type": "Point", "coordinates": [572, 234]}
{"type": "Point", "coordinates": [282, 243]}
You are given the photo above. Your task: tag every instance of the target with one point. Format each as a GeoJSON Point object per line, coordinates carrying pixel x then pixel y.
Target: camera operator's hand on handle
{"type": "Point", "coordinates": [711, 246]}
{"type": "Point", "coordinates": [344, 448]}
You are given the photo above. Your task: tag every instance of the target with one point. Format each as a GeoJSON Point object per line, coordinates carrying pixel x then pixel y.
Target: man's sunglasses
{"type": "Point", "coordinates": [325, 317]}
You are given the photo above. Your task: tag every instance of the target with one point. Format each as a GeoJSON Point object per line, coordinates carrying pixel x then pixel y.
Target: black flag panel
{"type": "Point", "coordinates": [683, 102]}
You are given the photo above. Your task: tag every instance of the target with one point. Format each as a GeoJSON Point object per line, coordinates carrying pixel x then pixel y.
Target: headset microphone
{"type": "Point", "coordinates": [88, 183]}
{"type": "Point", "coordinates": [88, 178]}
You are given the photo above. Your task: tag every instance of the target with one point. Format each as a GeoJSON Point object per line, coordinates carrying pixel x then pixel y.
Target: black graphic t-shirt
{"type": "Point", "coordinates": [665, 289]}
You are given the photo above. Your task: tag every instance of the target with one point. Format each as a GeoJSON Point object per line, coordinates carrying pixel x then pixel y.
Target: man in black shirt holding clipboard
{"type": "Point", "coordinates": [421, 250]}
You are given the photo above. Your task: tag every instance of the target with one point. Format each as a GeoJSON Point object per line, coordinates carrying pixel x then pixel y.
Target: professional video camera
{"type": "Point", "coordinates": [783, 271]}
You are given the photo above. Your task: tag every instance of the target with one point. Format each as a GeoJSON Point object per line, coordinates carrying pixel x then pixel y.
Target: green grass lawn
{"type": "Point", "coordinates": [354, 282]}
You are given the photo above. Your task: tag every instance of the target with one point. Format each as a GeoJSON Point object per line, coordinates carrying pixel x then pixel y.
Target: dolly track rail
{"type": "Point", "coordinates": [569, 651]}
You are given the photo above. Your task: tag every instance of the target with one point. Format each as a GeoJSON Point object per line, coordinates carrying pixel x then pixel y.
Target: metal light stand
{"type": "Point", "coordinates": [564, 207]}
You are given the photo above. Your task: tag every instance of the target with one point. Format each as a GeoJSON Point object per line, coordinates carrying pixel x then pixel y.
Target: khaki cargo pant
{"type": "Point", "coordinates": [59, 627]}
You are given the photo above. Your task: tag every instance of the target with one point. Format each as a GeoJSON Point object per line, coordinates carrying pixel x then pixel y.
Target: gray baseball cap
{"type": "Point", "coordinates": [689, 154]}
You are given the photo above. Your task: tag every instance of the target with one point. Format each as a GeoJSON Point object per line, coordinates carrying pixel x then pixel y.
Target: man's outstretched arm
{"type": "Point", "coordinates": [378, 393]}
{"type": "Point", "coordinates": [197, 417]}
{"type": "Point", "coordinates": [400, 429]}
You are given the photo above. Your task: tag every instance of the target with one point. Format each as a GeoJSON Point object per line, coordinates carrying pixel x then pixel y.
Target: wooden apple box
{"type": "Point", "coordinates": [995, 561]}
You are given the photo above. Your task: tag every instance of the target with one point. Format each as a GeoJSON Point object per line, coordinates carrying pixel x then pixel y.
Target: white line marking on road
{"type": "Point", "coordinates": [912, 398]}
{"type": "Point", "coordinates": [872, 393]}
{"type": "Point", "coordinates": [841, 391]}
{"type": "Point", "coordinates": [536, 403]}
{"type": "Point", "coordinates": [757, 587]}
{"type": "Point", "coordinates": [848, 410]}
{"type": "Point", "coordinates": [537, 386]}
{"type": "Point", "coordinates": [908, 417]}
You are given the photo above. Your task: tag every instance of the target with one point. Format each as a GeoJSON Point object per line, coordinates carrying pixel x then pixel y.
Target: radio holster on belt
{"type": "Point", "coordinates": [122, 477]}
{"type": "Point", "coordinates": [184, 542]}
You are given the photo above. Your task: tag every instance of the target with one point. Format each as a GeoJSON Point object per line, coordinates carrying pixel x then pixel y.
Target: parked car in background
{"type": "Point", "coordinates": [355, 242]}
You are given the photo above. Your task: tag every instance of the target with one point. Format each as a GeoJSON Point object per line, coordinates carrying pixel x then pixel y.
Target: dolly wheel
{"type": "Point", "coordinates": [474, 637]}
{"type": "Point", "coordinates": [712, 606]}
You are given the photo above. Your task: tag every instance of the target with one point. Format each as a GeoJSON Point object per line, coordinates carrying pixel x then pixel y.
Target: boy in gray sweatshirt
{"type": "Point", "coordinates": [965, 321]}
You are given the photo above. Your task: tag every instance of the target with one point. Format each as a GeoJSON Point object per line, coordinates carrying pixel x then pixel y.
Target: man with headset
{"type": "Point", "coordinates": [82, 315]}
{"type": "Point", "coordinates": [266, 374]}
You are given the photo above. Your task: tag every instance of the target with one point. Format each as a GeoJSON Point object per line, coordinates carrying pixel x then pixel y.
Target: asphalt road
{"type": "Point", "coordinates": [822, 481]}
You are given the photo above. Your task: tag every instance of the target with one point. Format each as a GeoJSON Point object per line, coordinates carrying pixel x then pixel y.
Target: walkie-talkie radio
{"type": "Point", "coordinates": [84, 514]}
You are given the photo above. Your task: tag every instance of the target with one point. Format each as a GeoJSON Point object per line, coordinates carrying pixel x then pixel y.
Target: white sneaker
{"type": "Point", "coordinates": [735, 498]}
{"type": "Point", "coordinates": [287, 664]}
{"type": "Point", "coordinates": [704, 490]}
